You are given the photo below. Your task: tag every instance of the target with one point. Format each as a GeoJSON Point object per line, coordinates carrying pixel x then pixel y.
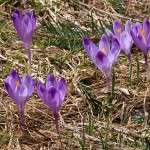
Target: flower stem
{"type": "Point", "coordinates": [130, 60]}
{"type": "Point", "coordinates": [29, 67]}
{"type": "Point", "coordinates": [138, 70]}
{"type": "Point", "coordinates": [56, 122]}
{"type": "Point", "coordinates": [130, 72]}
{"type": "Point", "coordinates": [113, 86]}
{"type": "Point", "coordinates": [22, 120]}
{"type": "Point", "coordinates": [130, 68]}
{"type": "Point", "coordinates": [29, 59]}
{"type": "Point", "coordinates": [107, 84]}
{"type": "Point", "coordinates": [147, 68]}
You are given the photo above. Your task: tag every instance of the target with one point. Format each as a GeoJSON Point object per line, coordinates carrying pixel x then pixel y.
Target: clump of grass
{"type": "Point", "coordinates": [117, 5]}
{"type": "Point", "coordinates": [91, 98]}
{"type": "Point", "coordinates": [67, 35]}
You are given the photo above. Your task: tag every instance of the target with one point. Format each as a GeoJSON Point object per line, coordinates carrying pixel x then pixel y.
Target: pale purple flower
{"type": "Point", "coordinates": [53, 94]}
{"type": "Point", "coordinates": [141, 37]}
{"type": "Point", "coordinates": [123, 36]}
{"type": "Point", "coordinates": [19, 90]}
{"type": "Point", "coordinates": [25, 25]}
{"type": "Point", "coordinates": [103, 56]}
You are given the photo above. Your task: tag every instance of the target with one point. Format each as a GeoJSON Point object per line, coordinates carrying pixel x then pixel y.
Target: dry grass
{"type": "Point", "coordinates": [85, 84]}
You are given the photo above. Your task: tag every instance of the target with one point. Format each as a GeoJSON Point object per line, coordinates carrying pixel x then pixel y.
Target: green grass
{"type": "Point", "coordinates": [117, 5]}
{"type": "Point", "coordinates": [3, 1]}
{"type": "Point", "coordinates": [69, 36]}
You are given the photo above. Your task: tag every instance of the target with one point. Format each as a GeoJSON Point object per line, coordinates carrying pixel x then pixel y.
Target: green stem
{"type": "Point", "coordinates": [138, 70]}
{"type": "Point", "coordinates": [147, 68]}
{"type": "Point", "coordinates": [29, 59]}
{"type": "Point", "coordinates": [56, 116]}
{"type": "Point", "coordinates": [22, 125]}
{"type": "Point", "coordinates": [130, 71]}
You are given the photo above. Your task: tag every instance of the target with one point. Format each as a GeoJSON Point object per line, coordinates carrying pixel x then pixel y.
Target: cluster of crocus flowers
{"type": "Point", "coordinates": [53, 94]}
{"type": "Point", "coordinates": [103, 56]}
{"type": "Point", "coordinates": [123, 36]}
{"type": "Point", "coordinates": [20, 90]}
{"type": "Point", "coordinates": [25, 25]}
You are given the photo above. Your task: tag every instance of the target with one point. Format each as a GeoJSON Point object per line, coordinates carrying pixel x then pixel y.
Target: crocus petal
{"type": "Point", "coordinates": [10, 91]}
{"type": "Point", "coordinates": [110, 34]}
{"type": "Point", "coordinates": [10, 80]}
{"type": "Point", "coordinates": [17, 14]}
{"type": "Point", "coordinates": [15, 76]}
{"type": "Point", "coordinates": [62, 88]}
{"type": "Point", "coordinates": [118, 29]}
{"type": "Point", "coordinates": [30, 83]}
{"type": "Point", "coordinates": [146, 27]}
{"type": "Point", "coordinates": [140, 42]}
{"type": "Point", "coordinates": [102, 61]}
{"type": "Point", "coordinates": [115, 51]}
{"type": "Point", "coordinates": [17, 18]}
{"type": "Point", "coordinates": [148, 40]}
{"type": "Point", "coordinates": [128, 26]}
{"type": "Point", "coordinates": [27, 22]}
{"type": "Point", "coordinates": [53, 98]}
{"type": "Point", "coordinates": [136, 28]}
{"type": "Point", "coordinates": [90, 48]}
{"type": "Point", "coordinates": [27, 13]}
{"type": "Point", "coordinates": [28, 32]}
{"type": "Point", "coordinates": [33, 18]}
{"type": "Point", "coordinates": [104, 45]}
{"type": "Point", "coordinates": [51, 81]}
{"type": "Point", "coordinates": [126, 42]}
{"type": "Point", "coordinates": [103, 64]}
{"type": "Point", "coordinates": [21, 96]}
{"type": "Point", "coordinates": [41, 90]}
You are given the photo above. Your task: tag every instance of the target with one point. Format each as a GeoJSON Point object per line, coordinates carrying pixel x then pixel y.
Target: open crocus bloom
{"type": "Point", "coordinates": [25, 25]}
{"type": "Point", "coordinates": [141, 37]}
{"type": "Point", "coordinates": [19, 90]}
{"type": "Point", "coordinates": [123, 36]}
{"type": "Point", "coordinates": [103, 57]}
{"type": "Point", "coordinates": [53, 94]}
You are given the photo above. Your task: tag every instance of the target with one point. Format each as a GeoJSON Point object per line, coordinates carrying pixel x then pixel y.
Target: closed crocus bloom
{"type": "Point", "coordinates": [53, 94]}
{"type": "Point", "coordinates": [25, 25]}
{"type": "Point", "coordinates": [123, 36]}
{"type": "Point", "coordinates": [19, 90]}
{"type": "Point", "coordinates": [141, 37]}
{"type": "Point", "coordinates": [103, 56]}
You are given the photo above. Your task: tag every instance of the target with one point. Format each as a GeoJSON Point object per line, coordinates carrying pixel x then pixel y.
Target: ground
{"type": "Point", "coordinates": [88, 119]}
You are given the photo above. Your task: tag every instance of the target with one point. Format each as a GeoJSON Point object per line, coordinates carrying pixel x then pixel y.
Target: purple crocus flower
{"type": "Point", "coordinates": [53, 94]}
{"type": "Point", "coordinates": [19, 90]}
{"type": "Point", "coordinates": [141, 37]}
{"type": "Point", "coordinates": [123, 36]}
{"type": "Point", "coordinates": [25, 25]}
{"type": "Point", "coordinates": [103, 57]}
